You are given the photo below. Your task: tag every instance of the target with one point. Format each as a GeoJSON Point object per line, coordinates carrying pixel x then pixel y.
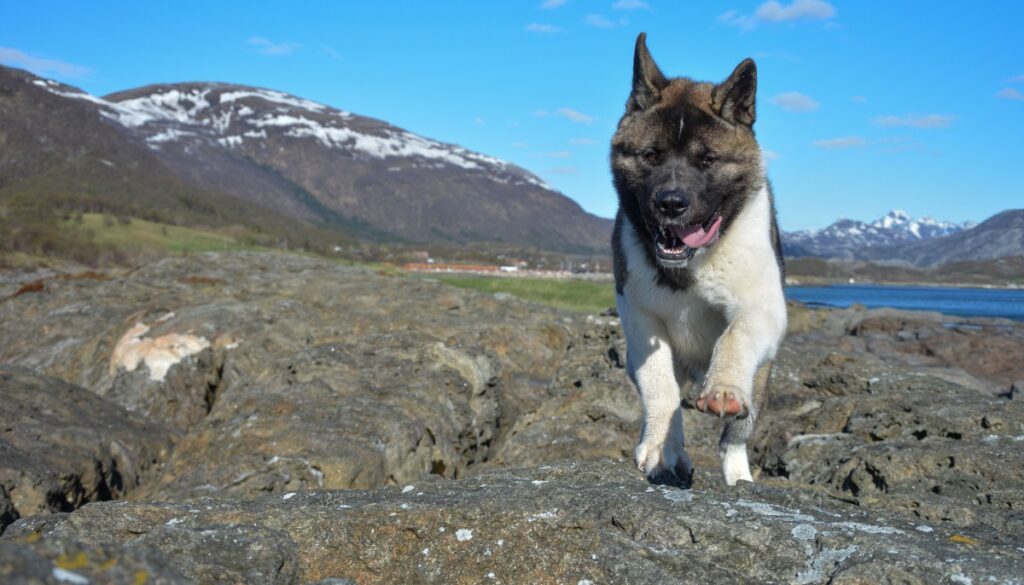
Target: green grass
{"type": "Point", "coordinates": [575, 295]}
{"type": "Point", "coordinates": [139, 233]}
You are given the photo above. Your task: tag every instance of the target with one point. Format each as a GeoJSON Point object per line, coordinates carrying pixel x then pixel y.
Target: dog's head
{"type": "Point", "coordinates": [684, 157]}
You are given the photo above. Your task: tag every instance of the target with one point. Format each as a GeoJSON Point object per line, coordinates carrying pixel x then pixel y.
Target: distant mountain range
{"type": "Point", "coordinates": [256, 153]}
{"type": "Point", "coordinates": [848, 238]}
{"type": "Point", "coordinates": [298, 171]}
{"type": "Point", "coordinates": [922, 242]}
{"type": "Point", "coordinates": [999, 236]}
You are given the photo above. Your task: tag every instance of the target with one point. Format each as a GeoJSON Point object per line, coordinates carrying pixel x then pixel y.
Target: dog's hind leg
{"type": "Point", "coordinates": [660, 453]}
{"type": "Point", "coordinates": [732, 448]}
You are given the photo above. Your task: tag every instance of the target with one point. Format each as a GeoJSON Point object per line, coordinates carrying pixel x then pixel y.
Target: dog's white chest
{"type": "Point", "coordinates": [691, 321]}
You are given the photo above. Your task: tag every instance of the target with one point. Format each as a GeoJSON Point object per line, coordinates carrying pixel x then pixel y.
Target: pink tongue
{"type": "Point", "coordinates": [694, 236]}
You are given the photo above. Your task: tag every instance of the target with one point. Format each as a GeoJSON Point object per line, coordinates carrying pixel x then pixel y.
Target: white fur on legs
{"type": "Point", "coordinates": [727, 323]}
{"type": "Point", "coordinates": [654, 457]}
{"type": "Point", "coordinates": [650, 366]}
{"type": "Point", "coordinates": [734, 463]}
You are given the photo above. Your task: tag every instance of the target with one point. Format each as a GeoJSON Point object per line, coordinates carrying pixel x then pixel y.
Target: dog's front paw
{"type": "Point", "coordinates": [664, 464]}
{"type": "Point", "coordinates": [723, 400]}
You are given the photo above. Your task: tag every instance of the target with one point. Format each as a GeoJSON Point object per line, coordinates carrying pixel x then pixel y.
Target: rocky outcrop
{"type": "Point", "coordinates": [301, 373]}
{"type": "Point", "coordinates": [62, 446]}
{"type": "Point", "coordinates": [980, 353]}
{"type": "Point", "coordinates": [334, 425]}
{"type": "Point", "coordinates": [562, 523]}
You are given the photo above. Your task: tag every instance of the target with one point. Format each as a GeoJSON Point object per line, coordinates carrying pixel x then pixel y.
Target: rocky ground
{"type": "Point", "coordinates": [249, 418]}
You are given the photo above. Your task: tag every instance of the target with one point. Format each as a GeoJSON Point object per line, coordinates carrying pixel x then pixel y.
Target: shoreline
{"type": "Point", "coordinates": [816, 282]}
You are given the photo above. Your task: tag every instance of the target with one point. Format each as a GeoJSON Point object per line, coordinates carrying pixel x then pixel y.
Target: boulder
{"type": "Point", "coordinates": [330, 424]}
{"type": "Point", "coordinates": [62, 446]}
{"type": "Point", "coordinates": [558, 523]}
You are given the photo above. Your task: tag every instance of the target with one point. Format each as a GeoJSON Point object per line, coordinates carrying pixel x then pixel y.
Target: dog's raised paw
{"type": "Point", "coordinates": [664, 465]}
{"type": "Point", "coordinates": [722, 401]}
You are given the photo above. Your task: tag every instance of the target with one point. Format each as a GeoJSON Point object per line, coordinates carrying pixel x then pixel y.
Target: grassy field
{"type": "Point", "coordinates": [139, 233]}
{"type": "Point", "coordinates": [575, 295]}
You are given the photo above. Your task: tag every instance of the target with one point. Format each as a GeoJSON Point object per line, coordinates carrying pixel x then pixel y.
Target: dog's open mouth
{"type": "Point", "coordinates": [676, 242]}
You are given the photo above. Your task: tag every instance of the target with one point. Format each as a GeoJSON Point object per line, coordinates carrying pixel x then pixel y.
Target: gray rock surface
{"type": "Point", "coordinates": [299, 373]}
{"type": "Point", "coordinates": [561, 523]}
{"type": "Point", "coordinates": [32, 560]}
{"type": "Point", "coordinates": [62, 446]}
{"type": "Point", "coordinates": [302, 397]}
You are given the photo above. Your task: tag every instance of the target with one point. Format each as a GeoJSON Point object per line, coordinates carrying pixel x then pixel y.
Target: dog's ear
{"type": "Point", "coordinates": [648, 80]}
{"type": "Point", "coordinates": [734, 98]}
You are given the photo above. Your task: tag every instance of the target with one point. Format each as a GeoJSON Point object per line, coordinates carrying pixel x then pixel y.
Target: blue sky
{"type": "Point", "coordinates": [863, 106]}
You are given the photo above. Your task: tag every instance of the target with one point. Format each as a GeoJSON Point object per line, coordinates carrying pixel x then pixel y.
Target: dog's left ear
{"type": "Point", "coordinates": [733, 99]}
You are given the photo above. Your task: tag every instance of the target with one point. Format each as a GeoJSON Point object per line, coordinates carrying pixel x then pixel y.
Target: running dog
{"type": "Point", "coordinates": [698, 262]}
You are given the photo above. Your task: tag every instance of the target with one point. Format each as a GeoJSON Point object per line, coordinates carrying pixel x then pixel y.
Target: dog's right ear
{"type": "Point", "coordinates": [648, 80]}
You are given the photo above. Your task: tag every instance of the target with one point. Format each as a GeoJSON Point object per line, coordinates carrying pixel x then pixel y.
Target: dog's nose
{"type": "Point", "coordinates": [671, 203]}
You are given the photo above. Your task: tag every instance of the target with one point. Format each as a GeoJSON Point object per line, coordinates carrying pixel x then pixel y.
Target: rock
{"type": "Point", "coordinates": [296, 372]}
{"type": "Point", "coordinates": [892, 439]}
{"type": "Point", "coordinates": [62, 446]}
{"type": "Point", "coordinates": [989, 349]}
{"type": "Point", "coordinates": [559, 523]}
{"type": "Point", "coordinates": [1015, 391]}
{"type": "Point", "coordinates": [56, 562]}
{"type": "Point", "coordinates": [285, 379]}
{"type": "Point", "coordinates": [590, 411]}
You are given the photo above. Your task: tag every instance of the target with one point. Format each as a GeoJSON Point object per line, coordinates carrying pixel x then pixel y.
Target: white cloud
{"type": "Point", "coordinates": [599, 21]}
{"type": "Point", "coordinates": [581, 141]}
{"type": "Point", "coordinates": [631, 5]}
{"type": "Point", "coordinates": [330, 52]}
{"type": "Point", "coordinates": [774, 11]}
{"type": "Point", "coordinates": [729, 16]}
{"type": "Point", "coordinates": [769, 155]}
{"type": "Point", "coordinates": [267, 47]}
{"type": "Point", "coordinates": [837, 143]}
{"type": "Point", "coordinates": [575, 116]}
{"type": "Point", "coordinates": [544, 29]}
{"type": "Point", "coordinates": [41, 65]}
{"type": "Point", "coordinates": [567, 113]}
{"type": "Point", "coordinates": [915, 121]}
{"type": "Point", "coordinates": [549, 4]}
{"type": "Point", "coordinates": [479, 121]}
{"type": "Point", "coordinates": [858, 99]}
{"type": "Point", "coordinates": [519, 144]}
{"type": "Point", "coordinates": [780, 55]}
{"type": "Point", "coordinates": [562, 171]}
{"type": "Point", "coordinates": [794, 101]}
{"type": "Point", "coordinates": [1010, 93]}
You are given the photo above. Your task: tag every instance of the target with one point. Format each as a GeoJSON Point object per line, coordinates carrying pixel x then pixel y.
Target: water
{"type": "Point", "coordinates": [964, 302]}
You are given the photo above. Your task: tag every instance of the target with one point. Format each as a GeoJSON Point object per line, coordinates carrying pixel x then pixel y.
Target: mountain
{"type": "Point", "coordinates": [849, 239]}
{"type": "Point", "coordinates": [59, 156]}
{"type": "Point", "coordinates": [999, 236]}
{"type": "Point", "coordinates": [303, 161]}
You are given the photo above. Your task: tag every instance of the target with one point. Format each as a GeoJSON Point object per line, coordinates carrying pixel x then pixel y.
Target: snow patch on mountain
{"type": "Point", "coordinates": [846, 237]}
{"type": "Point", "coordinates": [211, 112]}
{"type": "Point", "coordinates": [278, 98]}
{"type": "Point", "coordinates": [168, 135]}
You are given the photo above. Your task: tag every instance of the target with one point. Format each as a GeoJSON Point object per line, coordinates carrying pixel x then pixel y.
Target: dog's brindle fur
{"type": "Point", "coordinates": [718, 315]}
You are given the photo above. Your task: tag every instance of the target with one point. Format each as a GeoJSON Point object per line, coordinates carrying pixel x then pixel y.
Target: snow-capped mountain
{"type": "Point", "coordinates": [999, 236]}
{"type": "Point", "coordinates": [333, 168]}
{"type": "Point", "coordinates": [848, 238]}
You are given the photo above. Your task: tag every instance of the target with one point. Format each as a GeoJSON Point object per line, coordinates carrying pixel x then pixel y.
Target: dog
{"type": "Point", "coordinates": [697, 260]}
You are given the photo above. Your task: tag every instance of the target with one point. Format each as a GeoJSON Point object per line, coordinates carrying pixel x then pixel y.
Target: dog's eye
{"type": "Point", "coordinates": [650, 156]}
{"type": "Point", "coordinates": [707, 160]}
